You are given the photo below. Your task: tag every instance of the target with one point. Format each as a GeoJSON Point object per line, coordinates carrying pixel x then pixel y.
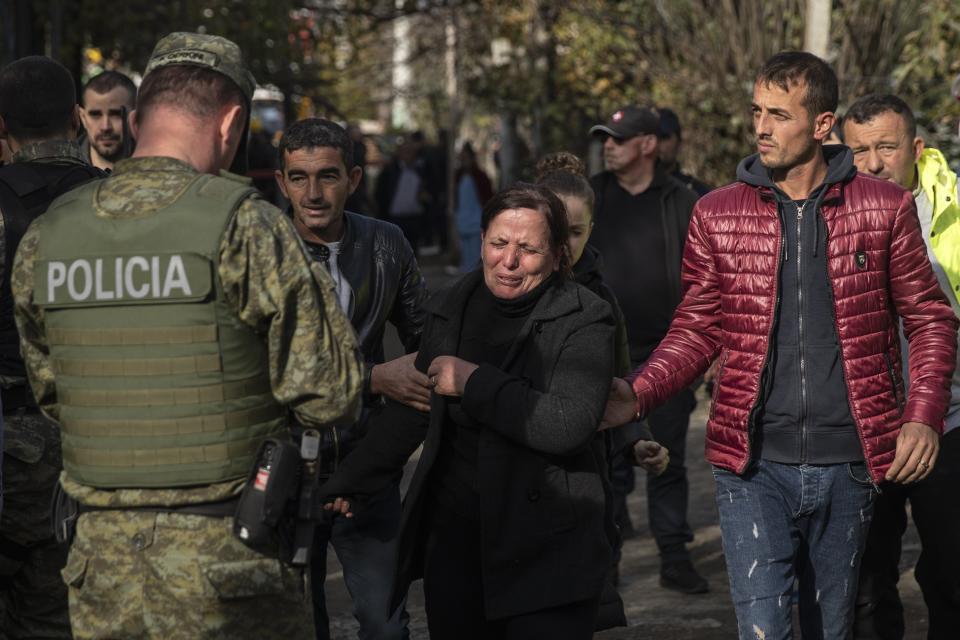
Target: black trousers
{"type": "Point", "coordinates": [935, 505]}
{"type": "Point", "coordinates": [668, 493]}
{"type": "Point", "coordinates": [454, 600]}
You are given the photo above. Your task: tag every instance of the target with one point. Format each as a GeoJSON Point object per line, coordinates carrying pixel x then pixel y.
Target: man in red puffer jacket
{"type": "Point", "coordinates": [795, 275]}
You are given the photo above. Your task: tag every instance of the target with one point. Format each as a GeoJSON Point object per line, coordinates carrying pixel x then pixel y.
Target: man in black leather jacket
{"type": "Point", "coordinates": [377, 280]}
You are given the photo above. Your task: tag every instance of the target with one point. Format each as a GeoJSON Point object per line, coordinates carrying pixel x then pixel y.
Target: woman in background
{"type": "Point", "coordinates": [565, 174]}
{"type": "Point", "coordinates": [473, 191]}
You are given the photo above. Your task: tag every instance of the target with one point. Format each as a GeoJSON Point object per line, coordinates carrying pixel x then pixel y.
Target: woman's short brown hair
{"type": "Point", "coordinates": [524, 195]}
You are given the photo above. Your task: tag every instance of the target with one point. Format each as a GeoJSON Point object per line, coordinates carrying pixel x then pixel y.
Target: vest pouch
{"type": "Point", "coordinates": [264, 514]}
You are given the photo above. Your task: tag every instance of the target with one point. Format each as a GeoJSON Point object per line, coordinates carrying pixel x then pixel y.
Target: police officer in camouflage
{"type": "Point", "coordinates": [170, 321]}
{"type": "Point", "coordinates": [39, 119]}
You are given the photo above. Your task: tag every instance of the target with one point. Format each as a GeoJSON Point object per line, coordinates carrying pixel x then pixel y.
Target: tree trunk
{"type": "Point", "coordinates": [509, 149]}
{"type": "Point", "coordinates": [816, 36]}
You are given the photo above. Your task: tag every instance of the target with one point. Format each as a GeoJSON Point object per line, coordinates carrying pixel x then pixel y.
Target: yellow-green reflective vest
{"type": "Point", "coordinates": [159, 383]}
{"type": "Point", "coordinates": [940, 185]}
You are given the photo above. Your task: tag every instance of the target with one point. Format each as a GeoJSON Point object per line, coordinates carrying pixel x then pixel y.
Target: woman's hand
{"type": "Point", "coordinates": [621, 405]}
{"type": "Point", "coordinates": [651, 456]}
{"type": "Point", "coordinates": [339, 507]}
{"type": "Point", "coordinates": [449, 375]}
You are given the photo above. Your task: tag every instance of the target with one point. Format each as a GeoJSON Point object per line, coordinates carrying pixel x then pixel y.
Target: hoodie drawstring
{"type": "Point", "coordinates": [817, 217]}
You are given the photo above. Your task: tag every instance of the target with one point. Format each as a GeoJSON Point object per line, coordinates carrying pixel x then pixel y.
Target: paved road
{"type": "Point", "coordinates": [653, 612]}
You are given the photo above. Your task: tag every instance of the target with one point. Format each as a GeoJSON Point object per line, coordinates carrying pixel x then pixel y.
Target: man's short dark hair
{"type": "Point", "coordinates": [108, 81]}
{"type": "Point", "coordinates": [311, 133]}
{"type": "Point", "coordinates": [792, 68]}
{"type": "Point", "coordinates": [37, 98]}
{"type": "Point", "coordinates": [197, 91]}
{"type": "Point", "coordinates": [872, 105]}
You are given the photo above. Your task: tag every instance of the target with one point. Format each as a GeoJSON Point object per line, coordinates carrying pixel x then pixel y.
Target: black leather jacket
{"type": "Point", "coordinates": [378, 262]}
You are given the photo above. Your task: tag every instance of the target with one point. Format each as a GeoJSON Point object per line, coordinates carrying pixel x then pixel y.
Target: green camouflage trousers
{"type": "Point", "coordinates": [33, 598]}
{"type": "Point", "coordinates": [140, 574]}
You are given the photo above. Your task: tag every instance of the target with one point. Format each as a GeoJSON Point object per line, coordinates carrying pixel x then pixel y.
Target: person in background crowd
{"type": "Point", "coordinates": [506, 517]}
{"type": "Point", "coordinates": [165, 380]}
{"type": "Point", "coordinates": [39, 120]}
{"type": "Point", "coordinates": [108, 98]}
{"type": "Point", "coordinates": [565, 175]}
{"type": "Point", "coordinates": [473, 191]}
{"type": "Point", "coordinates": [882, 133]}
{"type": "Point", "coordinates": [670, 141]}
{"type": "Point", "coordinates": [401, 192]}
{"type": "Point", "coordinates": [359, 199]}
{"type": "Point", "coordinates": [377, 280]}
{"type": "Point", "coordinates": [262, 161]}
{"type": "Point", "coordinates": [435, 159]}
{"type": "Point", "coordinates": [795, 276]}
{"type": "Point", "coordinates": [642, 215]}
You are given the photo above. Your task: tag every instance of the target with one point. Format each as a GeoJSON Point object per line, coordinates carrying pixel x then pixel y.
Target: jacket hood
{"type": "Point", "coordinates": [840, 167]}
{"type": "Point", "coordinates": [588, 268]}
{"type": "Point", "coordinates": [935, 174]}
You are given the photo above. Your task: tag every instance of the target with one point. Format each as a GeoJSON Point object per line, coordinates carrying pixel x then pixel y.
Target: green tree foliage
{"type": "Point", "coordinates": [552, 67]}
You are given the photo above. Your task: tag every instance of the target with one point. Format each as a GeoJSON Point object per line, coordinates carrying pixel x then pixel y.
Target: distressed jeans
{"type": "Point", "coordinates": [782, 523]}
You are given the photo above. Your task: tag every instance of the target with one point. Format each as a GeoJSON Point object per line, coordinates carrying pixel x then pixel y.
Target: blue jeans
{"type": "Point", "coordinates": [785, 522]}
{"type": "Point", "coordinates": [367, 549]}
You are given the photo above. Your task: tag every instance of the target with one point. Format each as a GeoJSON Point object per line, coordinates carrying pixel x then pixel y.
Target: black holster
{"type": "Point", "coordinates": [277, 514]}
{"type": "Point", "coordinates": [64, 511]}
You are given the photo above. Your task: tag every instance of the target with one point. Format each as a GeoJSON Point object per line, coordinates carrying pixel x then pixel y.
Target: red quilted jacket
{"type": "Point", "coordinates": [730, 282]}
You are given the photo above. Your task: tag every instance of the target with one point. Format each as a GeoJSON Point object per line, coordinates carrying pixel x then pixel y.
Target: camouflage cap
{"type": "Point", "coordinates": [202, 50]}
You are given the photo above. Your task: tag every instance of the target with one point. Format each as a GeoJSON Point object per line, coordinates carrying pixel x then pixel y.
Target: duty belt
{"type": "Point", "coordinates": [66, 510]}
{"type": "Point", "coordinates": [221, 509]}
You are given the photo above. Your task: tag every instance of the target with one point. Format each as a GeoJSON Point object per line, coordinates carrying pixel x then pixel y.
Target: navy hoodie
{"type": "Point", "coordinates": [804, 414]}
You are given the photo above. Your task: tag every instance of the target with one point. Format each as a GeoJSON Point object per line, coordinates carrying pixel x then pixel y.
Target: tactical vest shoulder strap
{"type": "Point", "coordinates": [224, 191]}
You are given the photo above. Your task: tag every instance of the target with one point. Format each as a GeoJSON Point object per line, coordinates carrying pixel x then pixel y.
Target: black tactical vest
{"type": "Point", "coordinates": [26, 190]}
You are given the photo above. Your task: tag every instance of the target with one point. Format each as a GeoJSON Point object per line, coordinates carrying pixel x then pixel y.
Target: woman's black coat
{"type": "Point", "coordinates": [546, 537]}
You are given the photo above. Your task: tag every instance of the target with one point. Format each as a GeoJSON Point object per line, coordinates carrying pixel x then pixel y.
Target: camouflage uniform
{"type": "Point", "coordinates": [136, 573]}
{"type": "Point", "coordinates": [33, 598]}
